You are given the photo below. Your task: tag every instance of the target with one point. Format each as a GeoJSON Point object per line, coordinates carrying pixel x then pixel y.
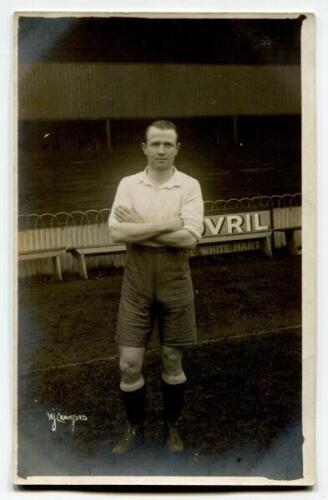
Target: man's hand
{"type": "Point", "coordinates": [124, 214]}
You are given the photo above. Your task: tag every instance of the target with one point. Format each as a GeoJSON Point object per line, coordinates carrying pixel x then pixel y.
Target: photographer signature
{"type": "Point", "coordinates": [60, 418]}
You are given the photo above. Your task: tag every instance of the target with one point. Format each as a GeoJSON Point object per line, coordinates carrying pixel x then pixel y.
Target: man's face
{"type": "Point", "coordinates": [161, 148]}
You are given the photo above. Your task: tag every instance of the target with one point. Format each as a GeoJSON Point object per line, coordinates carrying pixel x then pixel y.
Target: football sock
{"type": "Point", "coordinates": [134, 403]}
{"type": "Point", "coordinates": [173, 400]}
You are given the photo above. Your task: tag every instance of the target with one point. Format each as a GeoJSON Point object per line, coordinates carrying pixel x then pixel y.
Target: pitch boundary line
{"type": "Point", "coordinates": [115, 356]}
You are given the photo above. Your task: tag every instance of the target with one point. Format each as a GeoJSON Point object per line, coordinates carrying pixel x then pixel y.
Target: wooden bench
{"type": "Point", "coordinates": [82, 252]}
{"type": "Point", "coordinates": [290, 233]}
{"type": "Point", "coordinates": [54, 254]}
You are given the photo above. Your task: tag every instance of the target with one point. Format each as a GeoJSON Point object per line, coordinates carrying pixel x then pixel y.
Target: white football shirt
{"type": "Point", "coordinates": [180, 196]}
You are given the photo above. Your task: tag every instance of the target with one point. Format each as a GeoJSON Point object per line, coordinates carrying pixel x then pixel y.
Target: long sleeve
{"type": "Point", "coordinates": [192, 210]}
{"type": "Point", "coordinates": [121, 198]}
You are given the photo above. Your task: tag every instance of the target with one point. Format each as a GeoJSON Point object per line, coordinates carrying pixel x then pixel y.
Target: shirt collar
{"type": "Point", "coordinates": [174, 180]}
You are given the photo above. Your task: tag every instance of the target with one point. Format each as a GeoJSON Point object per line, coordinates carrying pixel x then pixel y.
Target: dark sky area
{"type": "Point", "coordinates": [217, 41]}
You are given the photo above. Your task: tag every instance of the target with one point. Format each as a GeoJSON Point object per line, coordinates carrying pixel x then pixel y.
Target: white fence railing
{"type": "Point", "coordinates": [69, 236]}
{"type": "Point", "coordinates": [76, 229]}
{"type": "Point", "coordinates": [284, 218]}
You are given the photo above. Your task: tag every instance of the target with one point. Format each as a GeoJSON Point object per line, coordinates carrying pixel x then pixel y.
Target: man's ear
{"type": "Point", "coordinates": [143, 147]}
{"type": "Point", "coordinates": [178, 146]}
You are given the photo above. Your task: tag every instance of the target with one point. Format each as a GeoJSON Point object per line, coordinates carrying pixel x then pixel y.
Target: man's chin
{"type": "Point", "coordinates": [161, 165]}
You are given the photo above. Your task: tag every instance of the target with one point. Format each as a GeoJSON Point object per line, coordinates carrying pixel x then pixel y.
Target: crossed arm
{"type": "Point", "coordinates": [132, 229]}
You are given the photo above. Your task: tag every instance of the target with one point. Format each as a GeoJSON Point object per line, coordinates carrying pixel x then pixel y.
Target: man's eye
{"type": "Point", "coordinates": [165, 145]}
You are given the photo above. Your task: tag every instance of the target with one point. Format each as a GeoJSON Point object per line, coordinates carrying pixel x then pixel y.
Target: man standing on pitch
{"type": "Point", "coordinates": [158, 213]}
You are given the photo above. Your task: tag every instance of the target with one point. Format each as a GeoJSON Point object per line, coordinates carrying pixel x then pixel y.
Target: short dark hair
{"type": "Point", "coordinates": [162, 125]}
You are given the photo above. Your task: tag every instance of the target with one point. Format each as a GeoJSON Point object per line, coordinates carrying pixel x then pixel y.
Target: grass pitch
{"type": "Point", "coordinates": [243, 411]}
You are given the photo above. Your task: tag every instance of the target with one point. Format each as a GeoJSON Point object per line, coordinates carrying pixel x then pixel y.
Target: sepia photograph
{"type": "Point", "coordinates": [164, 309]}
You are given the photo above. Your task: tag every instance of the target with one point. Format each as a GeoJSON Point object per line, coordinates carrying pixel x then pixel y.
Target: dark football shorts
{"type": "Point", "coordinates": [156, 285]}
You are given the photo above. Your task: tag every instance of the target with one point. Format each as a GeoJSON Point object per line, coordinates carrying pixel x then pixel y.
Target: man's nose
{"type": "Point", "coordinates": [161, 149]}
